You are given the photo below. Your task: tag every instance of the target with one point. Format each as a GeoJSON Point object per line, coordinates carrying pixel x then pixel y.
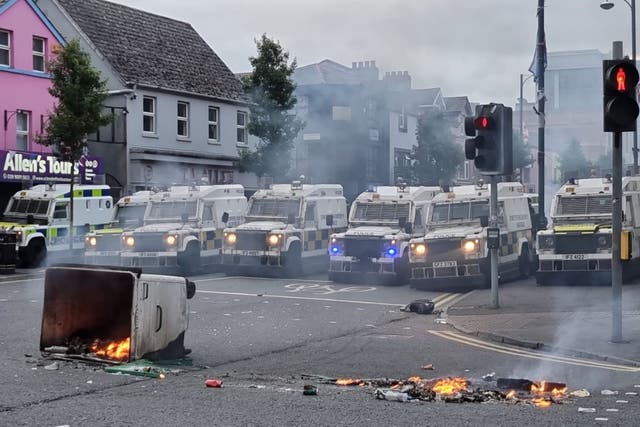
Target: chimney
{"type": "Point", "coordinates": [397, 80]}
{"type": "Point", "coordinates": [366, 71]}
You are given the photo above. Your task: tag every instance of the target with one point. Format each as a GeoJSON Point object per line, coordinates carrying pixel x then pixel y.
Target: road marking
{"type": "Point", "coordinates": [318, 289]}
{"type": "Point", "coordinates": [295, 297]}
{"type": "Point", "coordinates": [8, 282]}
{"type": "Point", "coordinates": [464, 339]}
{"type": "Point", "coordinates": [444, 301]}
{"type": "Point", "coordinates": [270, 279]}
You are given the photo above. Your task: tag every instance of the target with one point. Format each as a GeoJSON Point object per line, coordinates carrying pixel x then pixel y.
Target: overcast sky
{"type": "Point", "coordinates": [476, 48]}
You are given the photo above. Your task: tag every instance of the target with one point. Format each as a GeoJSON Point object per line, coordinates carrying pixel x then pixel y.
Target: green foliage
{"type": "Point", "coordinates": [81, 93]}
{"type": "Point", "coordinates": [436, 155]}
{"type": "Point", "coordinates": [573, 163]}
{"type": "Point", "coordinates": [271, 91]}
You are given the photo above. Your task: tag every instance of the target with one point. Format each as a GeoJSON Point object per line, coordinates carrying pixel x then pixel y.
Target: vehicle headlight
{"type": "Point", "coordinates": [91, 241]}
{"type": "Point", "coordinates": [547, 242]}
{"type": "Point", "coordinates": [230, 238]}
{"type": "Point", "coordinates": [469, 246]}
{"type": "Point", "coordinates": [604, 242]}
{"type": "Point", "coordinates": [129, 241]}
{"type": "Point", "coordinates": [171, 239]}
{"type": "Point", "coordinates": [336, 246]}
{"type": "Point", "coordinates": [274, 239]}
{"type": "Point", "coordinates": [419, 249]}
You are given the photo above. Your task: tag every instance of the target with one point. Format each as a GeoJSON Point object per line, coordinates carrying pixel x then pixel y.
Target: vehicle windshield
{"type": "Point", "coordinates": [380, 212]}
{"type": "Point", "coordinates": [24, 207]}
{"type": "Point", "coordinates": [173, 210]}
{"type": "Point", "coordinates": [274, 208]}
{"type": "Point", "coordinates": [444, 213]}
{"type": "Point", "coordinates": [130, 213]}
{"type": "Point", "coordinates": [601, 204]}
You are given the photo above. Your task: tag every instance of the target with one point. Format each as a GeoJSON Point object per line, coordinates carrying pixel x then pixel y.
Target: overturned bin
{"type": "Point", "coordinates": [114, 314]}
{"type": "Point", "coordinates": [8, 255]}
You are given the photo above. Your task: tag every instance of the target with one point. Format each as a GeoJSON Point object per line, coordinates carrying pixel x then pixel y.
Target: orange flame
{"type": "Point", "coordinates": [415, 380]}
{"type": "Point", "coordinates": [542, 388]}
{"type": "Point", "coordinates": [115, 350]}
{"type": "Point", "coordinates": [511, 394]}
{"type": "Point", "coordinates": [450, 385]}
{"type": "Point", "coordinates": [541, 402]}
{"type": "Point", "coordinates": [349, 381]}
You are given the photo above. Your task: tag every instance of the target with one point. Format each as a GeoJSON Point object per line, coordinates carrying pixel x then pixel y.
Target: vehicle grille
{"type": "Point", "coordinates": [149, 242]}
{"type": "Point", "coordinates": [576, 243]}
{"type": "Point", "coordinates": [363, 248]}
{"type": "Point", "coordinates": [108, 243]}
{"type": "Point", "coordinates": [252, 241]}
{"type": "Point", "coordinates": [443, 250]}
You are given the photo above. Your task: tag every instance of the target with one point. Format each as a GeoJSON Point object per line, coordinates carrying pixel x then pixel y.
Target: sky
{"type": "Point", "coordinates": [466, 47]}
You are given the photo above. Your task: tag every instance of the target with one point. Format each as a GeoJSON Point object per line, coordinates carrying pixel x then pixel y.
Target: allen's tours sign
{"type": "Point", "coordinates": [18, 166]}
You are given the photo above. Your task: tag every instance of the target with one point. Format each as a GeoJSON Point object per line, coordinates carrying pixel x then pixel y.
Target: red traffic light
{"type": "Point", "coordinates": [482, 122]}
{"type": "Point", "coordinates": [621, 76]}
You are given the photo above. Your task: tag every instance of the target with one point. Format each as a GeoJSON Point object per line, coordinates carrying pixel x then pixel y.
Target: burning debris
{"type": "Point", "coordinates": [457, 390]}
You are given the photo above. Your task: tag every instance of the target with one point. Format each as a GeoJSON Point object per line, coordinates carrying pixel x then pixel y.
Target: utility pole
{"type": "Point", "coordinates": [541, 55]}
{"type": "Point", "coordinates": [493, 250]}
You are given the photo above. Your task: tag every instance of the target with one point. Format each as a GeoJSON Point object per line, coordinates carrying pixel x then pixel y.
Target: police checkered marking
{"type": "Point", "coordinates": [316, 239]}
{"type": "Point", "coordinates": [509, 241]}
{"type": "Point", "coordinates": [87, 193]}
{"type": "Point", "coordinates": [209, 240]}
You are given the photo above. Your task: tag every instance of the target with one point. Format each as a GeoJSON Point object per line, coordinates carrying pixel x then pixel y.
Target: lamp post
{"type": "Point", "coordinates": [522, 82]}
{"type": "Point", "coordinates": [606, 5]}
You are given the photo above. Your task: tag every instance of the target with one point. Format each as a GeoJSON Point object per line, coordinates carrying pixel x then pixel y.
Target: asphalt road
{"type": "Point", "coordinates": [261, 335]}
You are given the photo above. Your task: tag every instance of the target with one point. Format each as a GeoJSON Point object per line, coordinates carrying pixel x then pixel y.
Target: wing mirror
{"type": "Point", "coordinates": [225, 217]}
{"type": "Point", "coordinates": [329, 220]}
{"type": "Point", "coordinates": [484, 221]}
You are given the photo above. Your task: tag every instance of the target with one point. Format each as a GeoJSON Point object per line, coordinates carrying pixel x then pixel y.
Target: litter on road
{"type": "Point", "coordinates": [214, 383]}
{"type": "Point", "coordinates": [420, 306]}
{"type": "Point", "coordinates": [309, 390]}
{"type": "Point", "coordinates": [428, 367]}
{"type": "Point", "coordinates": [581, 409]}
{"type": "Point", "coordinates": [609, 392]}
{"type": "Point", "coordinates": [583, 392]}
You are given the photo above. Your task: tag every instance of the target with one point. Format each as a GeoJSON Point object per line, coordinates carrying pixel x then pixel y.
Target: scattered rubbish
{"type": "Point", "coordinates": [309, 390]}
{"type": "Point", "coordinates": [514, 384]}
{"type": "Point", "coordinates": [631, 393]}
{"type": "Point", "coordinates": [637, 386]}
{"type": "Point", "coordinates": [428, 367]}
{"type": "Point", "coordinates": [216, 383]}
{"type": "Point", "coordinates": [260, 295]}
{"type": "Point", "coordinates": [420, 306]}
{"type": "Point", "coordinates": [613, 410]}
{"type": "Point", "coordinates": [489, 377]}
{"type": "Point", "coordinates": [601, 419]}
{"type": "Point", "coordinates": [581, 409]}
{"type": "Point", "coordinates": [147, 368]}
{"type": "Point", "coordinates": [257, 386]}
{"type": "Point", "coordinates": [609, 392]}
{"type": "Point", "coordinates": [52, 367]}
{"type": "Point", "coordinates": [440, 320]}
{"type": "Point", "coordinates": [391, 395]}
{"type": "Point", "coordinates": [89, 382]}
{"type": "Point", "coordinates": [56, 349]}
{"type": "Point", "coordinates": [28, 355]}
{"type": "Point", "coordinates": [622, 401]}
{"type": "Point", "coordinates": [583, 392]}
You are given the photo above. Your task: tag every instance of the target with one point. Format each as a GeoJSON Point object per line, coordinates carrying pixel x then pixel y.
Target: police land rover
{"type": "Point", "coordinates": [454, 249]}
{"type": "Point", "coordinates": [576, 249]}
{"type": "Point", "coordinates": [286, 231]}
{"type": "Point", "coordinates": [183, 228]}
{"type": "Point", "coordinates": [376, 245]}
{"type": "Point", "coordinates": [103, 246]}
{"type": "Point", "coordinates": [40, 216]}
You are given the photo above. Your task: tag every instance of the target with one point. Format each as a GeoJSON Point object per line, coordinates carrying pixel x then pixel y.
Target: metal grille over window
{"type": "Point", "coordinates": [39, 54]}
{"type": "Point", "coordinates": [585, 205]}
{"type": "Point", "coordinates": [381, 211]}
{"type": "Point", "coordinates": [274, 208]}
{"type": "Point", "coordinates": [5, 49]}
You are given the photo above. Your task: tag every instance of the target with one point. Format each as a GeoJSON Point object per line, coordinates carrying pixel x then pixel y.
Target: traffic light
{"type": "Point", "coordinates": [491, 145]}
{"type": "Point", "coordinates": [620, 78]}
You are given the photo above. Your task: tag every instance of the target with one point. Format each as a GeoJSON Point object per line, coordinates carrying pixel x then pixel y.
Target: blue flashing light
{"type": "Point", "coordinates": [335, 249]}
{"type": "Point", "coordinates": [392, 252]}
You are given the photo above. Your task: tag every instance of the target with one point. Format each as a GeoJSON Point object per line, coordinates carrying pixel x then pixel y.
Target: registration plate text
{"type": "Point", "coordinates": [442, 264]}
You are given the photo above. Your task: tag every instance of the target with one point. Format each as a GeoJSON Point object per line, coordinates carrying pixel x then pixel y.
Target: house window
{"type": "Point", "coordinates": [183, 119]}
{"type": "Point", "coordinates": [5, 48]}
{"type": "Point", "coordinates": [402, 121]}
{"type": "Point", "coordinates": [214, 114]}
{"type": "Point", "coordinates": [241, 127]}
{"type": "Point", "coordinates": [38, 54]}
{"type": "Point", "coordinates": [148, 114]}
{"type": "Point", "coordinates": [22, 130]}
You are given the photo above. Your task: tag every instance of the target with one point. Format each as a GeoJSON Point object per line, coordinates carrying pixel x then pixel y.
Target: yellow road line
{"type": "Point", "coordinates": [462, 339]}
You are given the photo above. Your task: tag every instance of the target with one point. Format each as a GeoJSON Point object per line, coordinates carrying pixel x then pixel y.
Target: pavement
{"type": "Point", "coordinates": [570, 320]}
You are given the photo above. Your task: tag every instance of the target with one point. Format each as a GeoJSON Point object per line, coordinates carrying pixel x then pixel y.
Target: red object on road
{"type": "Point", "coordinates": [213, 383]}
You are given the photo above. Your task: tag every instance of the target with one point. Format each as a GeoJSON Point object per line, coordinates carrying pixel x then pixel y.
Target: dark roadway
{"type": "Point", "coordinates": [261, 345]}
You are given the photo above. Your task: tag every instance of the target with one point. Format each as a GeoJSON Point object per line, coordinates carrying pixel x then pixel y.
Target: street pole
{"type": "Point", "coordinates": [493, 222]}
{"type": "Point", "coordinates": [521, 116]}
{"type": "Point", "coordinates": [540, 55]}
{"type": "Point", "coordinates": [616, 227]}
{"type": "Point", "coordinates": [633, 58]}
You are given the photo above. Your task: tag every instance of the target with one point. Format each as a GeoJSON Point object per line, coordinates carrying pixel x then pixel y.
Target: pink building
{"type": "Point", "coordinates": [27, 41]}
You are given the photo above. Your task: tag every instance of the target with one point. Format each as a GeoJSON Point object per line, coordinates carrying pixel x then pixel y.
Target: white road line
{"type": "Point", "coordinates": [302, 298]}
{"type": "Point", "coordinates": [445, 301]}
{"type": "Point", "coordinates": [462, 339]}
{"type": "Point", "coordinates": [270, 279]}
{"type": "Point", "coordinates": [9, 282]}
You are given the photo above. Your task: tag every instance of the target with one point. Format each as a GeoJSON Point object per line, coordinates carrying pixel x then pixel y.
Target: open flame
{"type": "Point", "coordinates": [448, 386]}
{"type": "Point", "coordinates": [541, 402]}
{"type": "Point", "coordinates": [350, 381]}
{"type": "Point", "coordinates": [114, 350]}
{"type": "Point", "coordinates": [511, 394]}
{"type": "Point", "coordinates": [555, 389]}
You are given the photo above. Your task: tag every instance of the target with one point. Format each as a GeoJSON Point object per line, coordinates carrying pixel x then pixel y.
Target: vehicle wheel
{"type": "Point", "coordinates": [293, 260]}
{"type": "Point", "coordinates": [524, 262]}
{"type": "Point", "coordinates": [402, 269]}
{"type": "Point", "coordinates": [190, 260]}
{"type": "Point", "coordinates": [34, 254]}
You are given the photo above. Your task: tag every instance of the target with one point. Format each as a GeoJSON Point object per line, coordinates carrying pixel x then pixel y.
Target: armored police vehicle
{"type": "Point", "coordinates": [454, 250]}
{"type": "Point", "coordinates": [576, 249]}
{"type": "Point", "coordinates": [103, 246]}
{"type": "Point", "coordinates": [286, 230]}
{"type": "Point", "coordinates": [183, 228]}
{"type": "Point", "coordinates": [40, 216]}
{"type": "Point", "coordinates": [376, 245]}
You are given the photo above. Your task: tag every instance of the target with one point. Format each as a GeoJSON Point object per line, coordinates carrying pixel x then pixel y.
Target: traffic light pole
{"type": "Point", "coordinates": [540, 57]}
{"type": "Point", "coordinates": [493, 222]}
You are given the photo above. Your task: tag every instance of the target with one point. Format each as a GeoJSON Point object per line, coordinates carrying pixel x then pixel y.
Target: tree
{"type": "Point", "coordinates": [604, 164]}
{"type": "Point", "coordinates": [80, 92]}
{"type": "Point", "coordinates": [573, 163]}
{"type": "Point", "coordinates": [436, 156]}
{"type": "Point", "coordinates": [271, 92]}
{"type": "Point", "coordinates": [522, 156]}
